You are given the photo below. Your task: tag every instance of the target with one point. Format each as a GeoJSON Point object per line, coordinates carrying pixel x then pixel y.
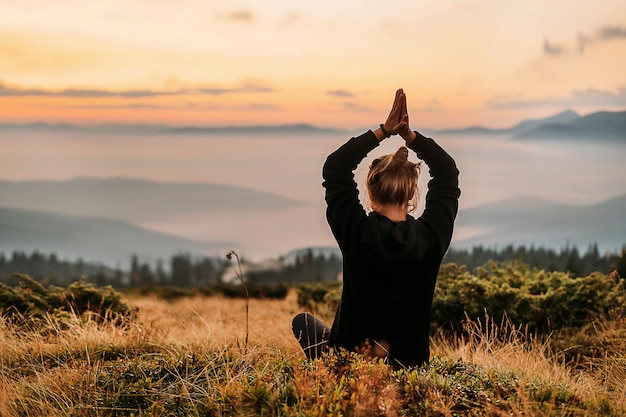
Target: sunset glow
{"type": "Point", "coordinates": [325, 63]}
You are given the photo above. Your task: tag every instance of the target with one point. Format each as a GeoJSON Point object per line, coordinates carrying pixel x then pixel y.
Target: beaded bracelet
{"type": "Point", "coordinates": [385, 133]}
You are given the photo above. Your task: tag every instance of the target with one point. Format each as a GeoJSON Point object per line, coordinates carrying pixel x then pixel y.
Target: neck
{"type": "Point", "coordinates": [393, 213]}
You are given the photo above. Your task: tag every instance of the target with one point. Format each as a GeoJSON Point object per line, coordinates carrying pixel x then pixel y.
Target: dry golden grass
{"type": "Point", "coordinates": [213, 323]}
{"type": "Point", "coordinates": [190, 355]}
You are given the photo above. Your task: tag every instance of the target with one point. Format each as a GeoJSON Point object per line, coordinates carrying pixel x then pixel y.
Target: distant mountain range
{"type": "Point", "coordinates": [601, 125]}
{"type": "Point", "coordinates": [134, 199]}
{"type": "Point", "coordinates": [565, 125]}
{"type": "Point", "coordinates": [532, 221]}
{"type": "Point", "coordinates": [290, 129]}
{"type": "Point", "coordinates": [111, 242]}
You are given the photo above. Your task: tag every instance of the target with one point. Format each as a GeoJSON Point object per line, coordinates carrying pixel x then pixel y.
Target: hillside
{"type": "Point", "coordinates": [134, 199]}
{"type": "Point", "coordinates": [521, 127]}
{"type": "Point", "coordinates": [96, 239]}
{"type": "Point", "coordinates": [609, 126]}
{"type": "Point", "coordinates": [567, 125]}
{"type": "Point", "coordinates": [290, 129]}
{"type": "Point", "coordinates": [532, 221]}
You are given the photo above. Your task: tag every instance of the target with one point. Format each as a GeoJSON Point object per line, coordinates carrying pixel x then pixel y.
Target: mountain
{"type": "Point", "coordinates": [294, 129]}
{"type": "Point", "coordinates": [566, 124]}
{"type": "Point", "coordinates": [566, 116]}
{"type": "Point", "coordinates": [111, 242]}
{"type": "Point", "coordinates": [134, 199]}
{"type": "Point", "coordinates": [290, 129]}
{"type": "Point", "coordinates": [532, 221]}
{"type": "Point", "coordinates": [603, 125]}
{"type": "Point", "coordinates": [523, 126]}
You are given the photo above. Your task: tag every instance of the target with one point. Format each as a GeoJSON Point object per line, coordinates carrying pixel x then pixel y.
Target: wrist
{"type": "Point", "coordinates": [408, 136]}
{"type": "Point", "coordinates": [380, 136]}
{"type": "Point", "coordinates": [385, 132]}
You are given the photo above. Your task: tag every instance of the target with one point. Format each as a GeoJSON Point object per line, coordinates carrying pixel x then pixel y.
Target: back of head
{"type": "Point", "coordinates": [392, 180]}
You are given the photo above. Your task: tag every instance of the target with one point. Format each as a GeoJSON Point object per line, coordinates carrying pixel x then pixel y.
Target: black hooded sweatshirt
{"type": "Point", "coordinates": [389, 268]}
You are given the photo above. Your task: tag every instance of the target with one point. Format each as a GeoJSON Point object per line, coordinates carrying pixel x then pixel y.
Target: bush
{"type": "Point", "coordinates": [541, 300]}
{"type": "Point", "coordinates": [31, 304]}
{"type": "Point", "coordinates": [321, 298]}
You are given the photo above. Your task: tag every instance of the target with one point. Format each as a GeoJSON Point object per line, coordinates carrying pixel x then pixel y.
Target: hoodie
{"type": "Point", "coordinates": [389, 268]}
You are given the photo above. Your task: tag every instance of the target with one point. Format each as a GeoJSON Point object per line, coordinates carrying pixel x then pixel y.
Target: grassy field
{"type": "Point", "coordinates": [189, 357]}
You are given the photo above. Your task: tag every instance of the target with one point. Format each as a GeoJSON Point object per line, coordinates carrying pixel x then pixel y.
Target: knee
{"type": "Point", "coordinates": [299, 323]}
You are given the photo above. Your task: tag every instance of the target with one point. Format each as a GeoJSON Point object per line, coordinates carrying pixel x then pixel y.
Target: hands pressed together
{"type": "Point", "coordinates": [398, 121]}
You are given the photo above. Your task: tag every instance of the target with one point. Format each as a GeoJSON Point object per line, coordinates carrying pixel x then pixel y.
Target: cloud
{"type": "Point", "coordinates": [552, 49]}
{"type": "Point", "coordinates": [340, 93]}
{"type": "Point", "coordinates": [261, 107]}
{"type": "Point", "coordinates": [240, 16]}
{"type": "Point", "coordinates": [583, 41]}
{"type": "Point", "coordinates": [589, 97]}
{"type": "Point", "coordinates": [356, 107]}
{"type": "Point", "coordinates": [11, 91]}
{"type": "Point", "coordinates": [612, 32]}
{"type": "Point", "coordinates": [187, 106]}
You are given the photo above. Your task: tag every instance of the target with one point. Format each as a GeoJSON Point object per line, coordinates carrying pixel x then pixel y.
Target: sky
{"type": "Point", "coordinates": [326, 63]}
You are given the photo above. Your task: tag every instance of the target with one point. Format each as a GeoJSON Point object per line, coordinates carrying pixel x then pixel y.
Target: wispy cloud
{"type": "Point", "coordinates": [356, 107]}
{"type": "Point", "coordinates": [583, 41]}
{"type": "Point", "coordinates": [340, 93]}
{"type": "Point", "coordinates": [611, 32]}
{"type": "Point", "coordinates": [589, 97]}
{"type": "Point", "coordinates": [239, 16]}
{"type": "Point", "coordinates": [12, 91]}
{"type": "Point", "coordinates": [149, 106]}
{"type": "Point", "coordinates": [552, 49]}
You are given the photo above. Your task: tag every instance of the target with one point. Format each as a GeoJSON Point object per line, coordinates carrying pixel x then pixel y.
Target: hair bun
{"type": "Point", "coordinates": [400, 157]}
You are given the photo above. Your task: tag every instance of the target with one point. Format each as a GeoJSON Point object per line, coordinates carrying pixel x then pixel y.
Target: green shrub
{"type": "Point", "coordinates": [311, 296]}
{"type": "Point", "coordinates": [541, 300]}
{"type": "Point", "coordinates": [32, 304]}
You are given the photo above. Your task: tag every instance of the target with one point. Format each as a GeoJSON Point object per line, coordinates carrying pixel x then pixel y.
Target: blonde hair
{"type": "Point", "coordinates": [392, 181]}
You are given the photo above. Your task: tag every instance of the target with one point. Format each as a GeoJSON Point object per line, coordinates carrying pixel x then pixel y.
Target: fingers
{"type": "Point", "coordinates": [396, 102]}
{"type": "Point", "coordinates": [404, 109]}
{"type": "Point", "coordinates": [397, 120]}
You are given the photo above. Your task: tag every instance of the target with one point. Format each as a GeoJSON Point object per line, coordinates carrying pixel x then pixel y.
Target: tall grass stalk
{"type": "Point", "coordinates": [230, 255]}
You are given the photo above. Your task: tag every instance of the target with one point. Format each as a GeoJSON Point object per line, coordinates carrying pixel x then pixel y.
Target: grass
{"type": "Point", "coordinates": [188, 357]}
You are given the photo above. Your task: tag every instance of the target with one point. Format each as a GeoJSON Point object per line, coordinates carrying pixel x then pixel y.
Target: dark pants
{"type": "Point", "coordinates": [312, 334]}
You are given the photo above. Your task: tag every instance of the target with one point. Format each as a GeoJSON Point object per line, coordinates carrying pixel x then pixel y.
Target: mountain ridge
{"type": "Point", "coordinates": [135, 199]}
{"type": "Point", "coordinates": [155, 129]}
{"type": "Point", "coordinates": [539, 222]}
{"type": "Point", "coordinates": [561, 123]}
{"type": "Point", "coordinates": [96, 239]}
{"type": "Point", "coordinates": [603, 124]}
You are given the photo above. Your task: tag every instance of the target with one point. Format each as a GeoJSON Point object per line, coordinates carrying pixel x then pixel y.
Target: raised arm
{"type": "Point", "coordinates": [442, 199]}
{"type": "Point", "coordinates": [342, 197]}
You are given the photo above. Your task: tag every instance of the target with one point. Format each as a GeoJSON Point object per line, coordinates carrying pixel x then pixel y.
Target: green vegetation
{"type": "Point", "coordinates": [35, 306]}
{"type": "Point", "coordinates": [524, 342]}
{"type": "Point", "coordinates": [305, 266]}
{"type": "Point", "coordinates": [539, 300]}
{"type": "Point", "coordinates": [569, 259]}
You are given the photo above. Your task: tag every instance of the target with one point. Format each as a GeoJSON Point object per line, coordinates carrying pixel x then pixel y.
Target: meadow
{"type": "Point", "coordinates": [140, 355]}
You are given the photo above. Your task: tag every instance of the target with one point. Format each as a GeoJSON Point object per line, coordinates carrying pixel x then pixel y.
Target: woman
{"type": "Point", "coordinates": [390, 259]}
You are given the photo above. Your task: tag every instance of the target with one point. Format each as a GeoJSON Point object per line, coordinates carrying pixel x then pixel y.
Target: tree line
{"type": "Point", "coordinates": [186, 271]}
{"type": "Point", "coordinates": [569, 259]}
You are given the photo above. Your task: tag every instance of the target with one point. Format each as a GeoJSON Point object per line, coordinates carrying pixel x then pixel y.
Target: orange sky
{"type": "Point", "coordinates": [198, 62]}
